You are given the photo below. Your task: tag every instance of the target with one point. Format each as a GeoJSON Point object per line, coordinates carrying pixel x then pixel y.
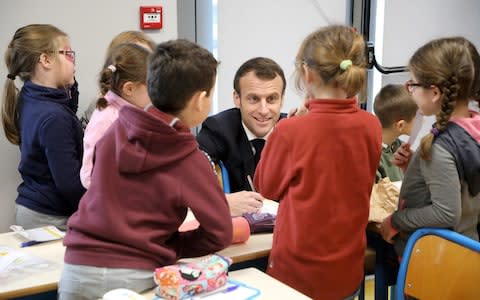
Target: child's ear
{"type": "Point", "coordinates": [437, 94]}
{"type": "Point", "coordinates": [401, 126]}
{"type": "Point", "coordinates": [45, 60]}
{"type": "Point", "coordinates": [127, 89]}
{"type": "Point", "coordinates": [198, 100]}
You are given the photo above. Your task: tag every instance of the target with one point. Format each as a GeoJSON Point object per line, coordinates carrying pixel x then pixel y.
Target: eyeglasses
{"type": "Point", "coordinates": [410, 85]}
{"type": "Point", "coordinates": [69, 54]}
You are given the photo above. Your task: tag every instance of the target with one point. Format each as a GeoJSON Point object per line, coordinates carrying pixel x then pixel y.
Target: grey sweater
{"type": "Point", "coordinates": [434, 196]}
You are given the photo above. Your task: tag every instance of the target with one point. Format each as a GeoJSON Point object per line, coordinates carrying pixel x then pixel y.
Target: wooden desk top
{"type": "Point", "coordinates": [269, 287]}
{"type": "Point", "coordinates": [258, 246]}
{"type": "Point", "coordinates": [38, 282]}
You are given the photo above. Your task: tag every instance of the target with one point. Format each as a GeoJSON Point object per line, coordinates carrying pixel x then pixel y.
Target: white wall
{"type": "Point", "coordinates": [91, 25]}
{"type": "Point", "coordinates": [408, 24]}
{"type": "Point", "coordinates": [271, 28]}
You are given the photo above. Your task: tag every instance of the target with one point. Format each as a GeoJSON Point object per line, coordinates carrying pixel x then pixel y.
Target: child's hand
{"type": "Point", "coordinates": [402, 156]}
{"type": "Point", "coordinates": [387, 231]}
{"type": "Point", "coordinates": [297, 111]}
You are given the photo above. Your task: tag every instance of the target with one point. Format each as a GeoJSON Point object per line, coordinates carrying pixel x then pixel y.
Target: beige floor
{"type": "Point", "coordinates": [370, 289]}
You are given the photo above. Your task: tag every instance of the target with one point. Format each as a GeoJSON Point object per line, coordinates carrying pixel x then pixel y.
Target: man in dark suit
{"type": "Point", "coordinates": [236, 136]}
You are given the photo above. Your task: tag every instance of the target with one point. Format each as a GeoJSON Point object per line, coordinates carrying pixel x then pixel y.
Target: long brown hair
{"type": "Point", "coordinates": [324, 51]}
{"type": "Point", "coordinates": [127, 62]}
{"type": "Point", "coordinates": [21, 57]}
{"type": "Point", "coordinates": [447, 64]}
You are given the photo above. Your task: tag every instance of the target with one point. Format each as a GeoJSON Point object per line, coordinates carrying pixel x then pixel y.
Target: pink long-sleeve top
{"type": "Point", "coordinates": [96, 128]}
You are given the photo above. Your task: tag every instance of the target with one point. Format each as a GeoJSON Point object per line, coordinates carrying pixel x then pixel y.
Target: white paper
{"type": "Point", "coordinates": [269, 206]}
{"type": "Point", "coordinates": [41, 234]}
{"type": "Point", "coordinates": [417, 126]}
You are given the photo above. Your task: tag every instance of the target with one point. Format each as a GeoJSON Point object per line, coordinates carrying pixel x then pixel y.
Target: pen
{"type": "Point", "coordinates": [250, 182]}
{"type": "Point", "coordinates": [29, 243]}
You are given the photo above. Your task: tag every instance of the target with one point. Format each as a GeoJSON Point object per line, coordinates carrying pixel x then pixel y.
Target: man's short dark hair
{"type": "Point", "coordinates": [264, 68]}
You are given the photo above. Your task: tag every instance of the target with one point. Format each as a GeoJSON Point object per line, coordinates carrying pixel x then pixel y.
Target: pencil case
{"type": "Point", "coordinates": [260, 222]}
{"type": "Point", "coordinates": [183, 280]}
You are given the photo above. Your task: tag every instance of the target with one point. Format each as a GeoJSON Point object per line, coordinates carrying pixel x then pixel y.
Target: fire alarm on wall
{"type": "Point", "coordinates": [151, 17]}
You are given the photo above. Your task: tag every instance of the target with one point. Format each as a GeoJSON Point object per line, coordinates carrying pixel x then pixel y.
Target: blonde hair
{"type": "Point", "coordinates": [337, 54]}
{"type": "Point", "coordinates": [21, 58]}
{"type": "Point", "coordinates": [447, 64]}
{"type": "Point", "coordinates": [130, 36]}
{"type": "Point", "coordinates": [127, 62]}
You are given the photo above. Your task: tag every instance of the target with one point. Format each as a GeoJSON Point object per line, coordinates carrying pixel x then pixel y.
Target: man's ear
{"type": "Point", "coordinates": [236, 99]}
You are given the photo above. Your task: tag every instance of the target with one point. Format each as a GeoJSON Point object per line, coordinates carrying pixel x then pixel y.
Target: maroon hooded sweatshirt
{"type": "Point", "coordinates": [146, 174]}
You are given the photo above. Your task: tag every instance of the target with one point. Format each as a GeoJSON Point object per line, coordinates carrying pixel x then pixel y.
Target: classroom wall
{"type": "Point", "coordinates": [268, 28]}
{"type": "Point", "coordinates": [408, 24]}
{"type": "Point", "coordinates": [91, 25]}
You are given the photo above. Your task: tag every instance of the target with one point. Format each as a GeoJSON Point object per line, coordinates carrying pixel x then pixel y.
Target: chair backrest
{"type": "Point", "coordinates": [439, 264]}
{"type": "Point", "coordinates": [223, 178]}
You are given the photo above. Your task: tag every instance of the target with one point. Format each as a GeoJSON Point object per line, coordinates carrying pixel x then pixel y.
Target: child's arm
{"type": "Point", "coordinates": [57, 137]}
{"type": "Point", "coordinates": [206, 199]}
{"type": "Point", "coordinates": [441, 178]}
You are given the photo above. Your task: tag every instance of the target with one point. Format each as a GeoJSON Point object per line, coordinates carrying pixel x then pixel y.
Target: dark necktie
{"type": "Point", "coordinates": [258, 145]}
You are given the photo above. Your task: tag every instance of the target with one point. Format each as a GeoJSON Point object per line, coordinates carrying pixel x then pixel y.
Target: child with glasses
{"type": "Point", "coordinates": [321, 167]}
{"type": "Point", "coordinates": [122, 83]}
{"type": "Point", "coordinates": [441, 187]}
{"type": "Point", "coordinates": [41, 120]}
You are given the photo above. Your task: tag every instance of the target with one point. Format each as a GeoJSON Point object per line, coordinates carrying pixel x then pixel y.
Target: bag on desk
{"type": "Point", "coordinates": [260, 222]}
{"type": "Point", "coordinates": [383, 200]}
{"type": "Point", "coordinates": [183, 280]}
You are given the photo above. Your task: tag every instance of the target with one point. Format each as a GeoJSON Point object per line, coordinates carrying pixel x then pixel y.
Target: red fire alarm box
{"type": "Point", "coordinates": [151, 17]}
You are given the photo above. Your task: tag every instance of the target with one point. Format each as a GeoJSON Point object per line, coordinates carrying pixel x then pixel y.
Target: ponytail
{"type": "Point", "coordinates": [10, 113]}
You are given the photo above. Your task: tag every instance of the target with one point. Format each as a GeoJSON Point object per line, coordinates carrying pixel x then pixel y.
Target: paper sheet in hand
{"type": "Point", "coordinates": [417, 126]}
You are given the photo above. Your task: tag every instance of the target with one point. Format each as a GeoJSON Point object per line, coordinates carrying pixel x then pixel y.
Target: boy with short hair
{"type": "Point", "coordinates": [396, 110]}
{"type": "Point", "coordinates": [148, 171]}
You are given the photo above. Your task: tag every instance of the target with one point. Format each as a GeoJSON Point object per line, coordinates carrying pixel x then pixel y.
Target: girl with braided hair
{"type": "Point", "coordinates": [441, 187]}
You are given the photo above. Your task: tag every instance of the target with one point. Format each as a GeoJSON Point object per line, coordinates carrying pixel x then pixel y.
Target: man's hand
{"type": "Point", "coordinates": [402, 156]}
{"type": "Point", "coordinates": [243, 202]}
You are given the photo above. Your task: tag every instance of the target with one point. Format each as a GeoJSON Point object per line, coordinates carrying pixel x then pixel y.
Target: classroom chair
{"type": "Point", "coordinates": [439, 264]}
{"type": "Point", "coordinates": [222, 175]}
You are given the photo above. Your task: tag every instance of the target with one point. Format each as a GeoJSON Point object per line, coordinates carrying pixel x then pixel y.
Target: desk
{"type": "Point", "coordinates": [257, 246]}
{"type": "Point", "coordinates": [269, 287]}
{"type": "Point", "coordinates": [40, 282]}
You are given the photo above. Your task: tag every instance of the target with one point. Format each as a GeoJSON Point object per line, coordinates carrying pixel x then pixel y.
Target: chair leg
{"type": "Point", "coordinates": [381, 288]}
{"type": "Point", "coordinates": [361, 296]}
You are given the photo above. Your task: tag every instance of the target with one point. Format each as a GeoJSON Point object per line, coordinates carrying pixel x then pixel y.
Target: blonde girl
{"type": "Point", "coordinates": [41, 120]}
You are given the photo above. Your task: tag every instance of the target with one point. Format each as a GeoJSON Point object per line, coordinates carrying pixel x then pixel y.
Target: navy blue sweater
{"type": "Point", "coordinates": [51, 146]}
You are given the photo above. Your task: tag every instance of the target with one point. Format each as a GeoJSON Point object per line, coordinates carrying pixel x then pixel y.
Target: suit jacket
{"type": "Point", "coordinates": [222, 136]}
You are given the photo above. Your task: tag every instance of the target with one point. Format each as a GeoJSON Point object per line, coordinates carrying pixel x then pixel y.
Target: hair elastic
{"type": "Point", "coordinates": [11, 76]}
{"type": "Point", "coordinates": [112, 68]}
{"type": "Point", "coordinates": [345, 64]}
{"type": "Point", "coordinates": [435, 131]}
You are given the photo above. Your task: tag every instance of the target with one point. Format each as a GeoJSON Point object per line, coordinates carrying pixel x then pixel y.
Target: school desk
{"type": "Point", "coordinates": [258, 246]}
{"type": "Point", "coordinates": [269, 287]}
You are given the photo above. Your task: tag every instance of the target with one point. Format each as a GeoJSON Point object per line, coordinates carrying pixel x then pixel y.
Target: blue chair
{"type": "Point", "coordinates": [225, 178]}
{"type": "Point", "coordinates": [439, 264]}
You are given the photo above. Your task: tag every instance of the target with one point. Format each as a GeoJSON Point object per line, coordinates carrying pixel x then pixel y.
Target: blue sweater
{"type": "Point", "coordinates": [51, 150]}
